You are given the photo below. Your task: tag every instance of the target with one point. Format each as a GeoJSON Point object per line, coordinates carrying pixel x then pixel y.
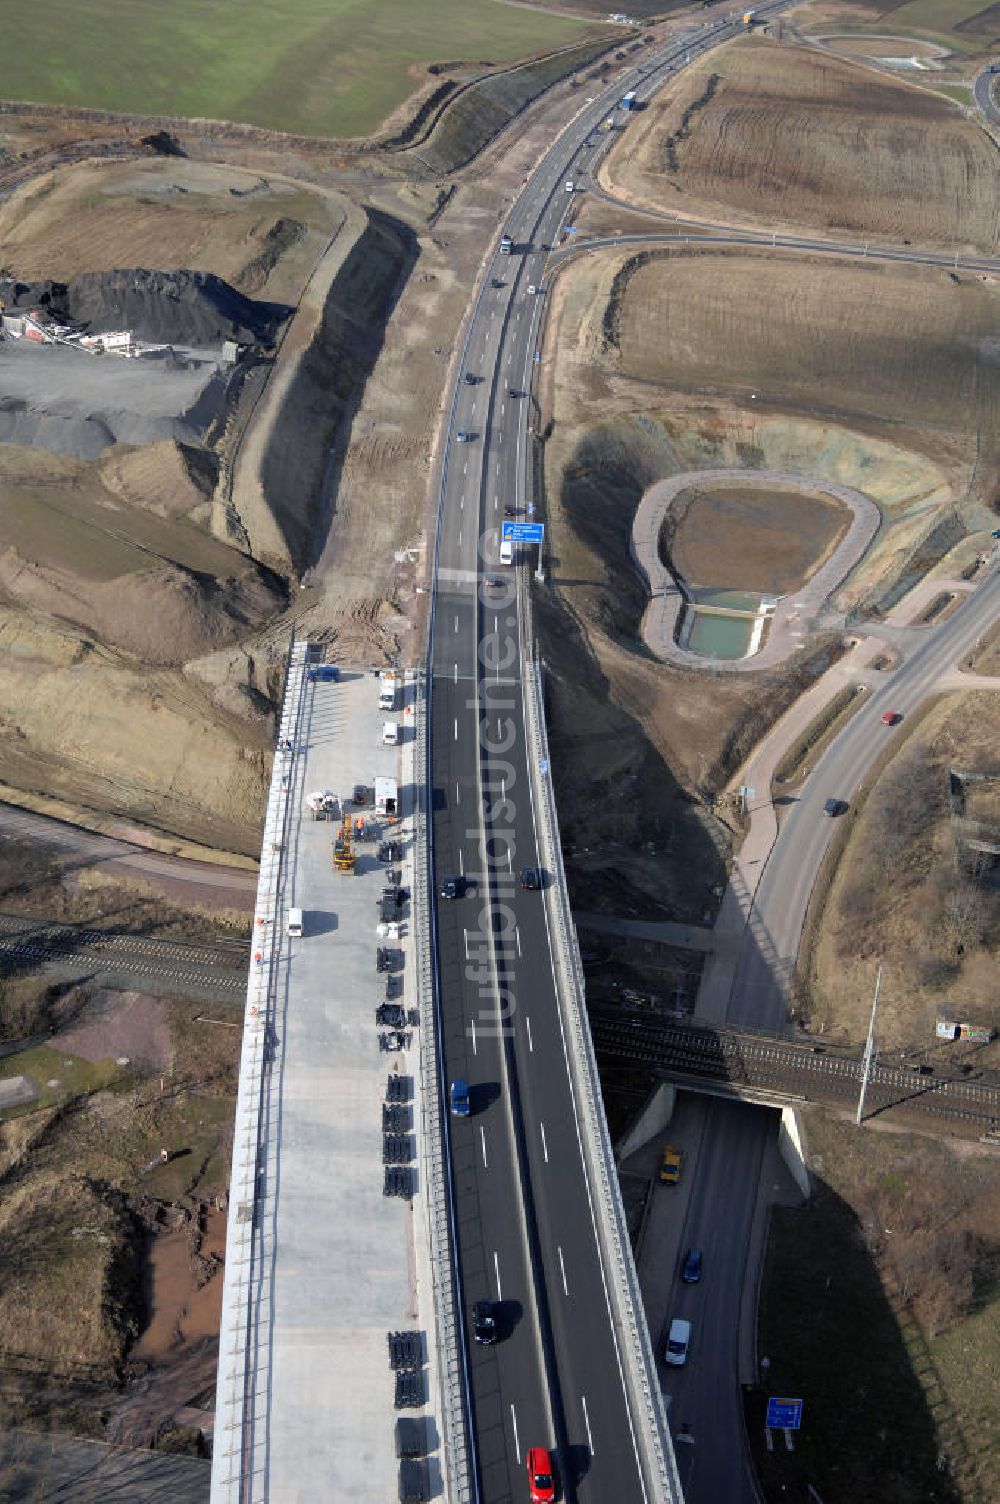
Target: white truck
{"type": "Point", "coordinates": [388, 691]}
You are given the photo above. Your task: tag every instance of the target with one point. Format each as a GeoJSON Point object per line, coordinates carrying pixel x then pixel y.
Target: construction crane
{"type": "Point", "coordinates": [343, 846]}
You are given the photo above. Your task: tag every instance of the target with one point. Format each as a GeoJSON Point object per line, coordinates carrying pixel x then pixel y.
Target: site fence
{"type": "Point", "coordinates": [437, 1179]}
{"type": "Point", "coordinates": [638, 1366]}
{"type": "Point", "coordinates": [239, 1453]}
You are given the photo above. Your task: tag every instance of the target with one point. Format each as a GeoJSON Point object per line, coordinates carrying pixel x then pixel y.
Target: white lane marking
{"type": "Point", "coordinates": [527, 1025]}
{"type": "Point", "coordinates": [456, 673]}
{"type": "Point", "coordinates": [510, 860]}
{"type": "Point", "coordinates": [465, 468]}
{"type": "Point", "coordinates": [461, 863]}
{"type": "Point", "coordinates": [517, 937]}
{"type": "Point", "coordinates": [482, 1140]}
{"type": "Point", "coordinates": [460, 537]}
{"type": "Point", "coordinates": [503, 409]}
{"type": "Point", "coordinates": [461, 504]}
{"type": "Point", "coordinates": [619, 1362]}
{"type": "Point", "coordinates": [496, 1271]}
{"type": "Point", "coordinates": [586, 1420]}
{"type": "Point", "coordinates": [496, 628]}
{"type": "Point", "coordinates": [465, 936]}
{"type": "Point", "coordinates": [472, 1033]}
{"type": "Point", "coordinates": [456, 629]}
{"type": "Point", "coordinates": [562, 1266]}
{"type": "Point", "coordinates": [458, 794]}
{"type": "Point", "coordinates": [456, 726]}
{"type": "Point", "coordinates": [545, 1147]}
{"type": "Point", "coordinates": [517, 1443]}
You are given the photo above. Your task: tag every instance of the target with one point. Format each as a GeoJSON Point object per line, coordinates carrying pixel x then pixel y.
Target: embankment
{"type": "Point", "coordinates": [283, 468]}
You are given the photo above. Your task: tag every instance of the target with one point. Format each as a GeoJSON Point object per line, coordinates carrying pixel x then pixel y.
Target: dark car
{"type": "Point", "coordinates": [691, 1267]}
{"type": "Point", "coordinates": [470, 380]}
{"type": "Point", "coordinates": [324, 673]}
{"type": "Point", "coordinates": [461, 1105]}
{"type": "Point", "coordinates": [484, 1322]}
{"type": "Point", "coordinates": [514, 391]}
{"type": "Point", "coordinates": [834, 807]}
{"type": "Point", "coordinates": [464, 437]}
{"type": "Point", "coordinates": [451, 887]}
{"type": "Point", "coordinates": [510, 510]}
{"type": "Point", "coordinates": [531, 878]}
{"type": "Point", "coordinates": [498, 283]}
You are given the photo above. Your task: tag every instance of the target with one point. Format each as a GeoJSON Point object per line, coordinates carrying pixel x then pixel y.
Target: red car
{"type": "Point", "coordinates": [891, 718]}
{"type": "Point", "coordinates": [541, 1479]}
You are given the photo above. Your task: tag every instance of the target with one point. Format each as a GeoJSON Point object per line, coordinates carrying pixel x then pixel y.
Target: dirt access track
{"type": "Point", "coordinates": [793, 613]}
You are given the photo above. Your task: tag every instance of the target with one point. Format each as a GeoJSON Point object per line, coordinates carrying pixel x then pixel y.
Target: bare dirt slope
{"type": "Point", "coordinates": [691, 361]}
{"type": "Point", "coordinates": [902, 901]}
{"type": "Point", "coordinates": [783, 135]}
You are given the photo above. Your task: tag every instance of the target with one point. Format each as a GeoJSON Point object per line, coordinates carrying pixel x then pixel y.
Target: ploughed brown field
{"type": "Point", "coordinates": [780, 135]}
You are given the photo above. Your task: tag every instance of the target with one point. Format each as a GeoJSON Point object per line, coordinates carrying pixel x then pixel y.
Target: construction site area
{"type": "Point", "coordinates": [225, 357]}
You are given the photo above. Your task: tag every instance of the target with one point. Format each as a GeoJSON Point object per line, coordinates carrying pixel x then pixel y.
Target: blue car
{"type": "Point", "coordinates": [691, 1267]}
{"type": "Point", "coordinates": [324, 673]}
{"type": "Point", "coordinates": [460, 1104]}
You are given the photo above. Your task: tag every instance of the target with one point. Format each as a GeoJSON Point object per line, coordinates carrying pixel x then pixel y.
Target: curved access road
{"type": "Point", "coordinates": [792, 614]}
{"type": "Point", "coordinates": [764, 908]}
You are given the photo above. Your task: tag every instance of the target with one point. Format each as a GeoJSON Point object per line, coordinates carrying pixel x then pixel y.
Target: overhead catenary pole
{"type": "Point", "coordinates": [866, 1064]}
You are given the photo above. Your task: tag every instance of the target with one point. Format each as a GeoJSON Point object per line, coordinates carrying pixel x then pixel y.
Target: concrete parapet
{"type": "Point", "coordinates": [242, 1385]}
{"type": "Point", "coordinates": [645, 1401]}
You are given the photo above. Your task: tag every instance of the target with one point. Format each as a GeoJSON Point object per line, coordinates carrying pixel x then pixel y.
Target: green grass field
{"type": "Point", "coordinates": [317, 67]}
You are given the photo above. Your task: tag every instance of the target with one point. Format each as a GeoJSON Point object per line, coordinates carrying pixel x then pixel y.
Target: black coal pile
{"type": "Point", "coordinates": [171, 308]}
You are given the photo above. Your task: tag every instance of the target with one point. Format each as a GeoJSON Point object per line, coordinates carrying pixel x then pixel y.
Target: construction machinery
{"type": "Point", "coordinates": [343, 846]}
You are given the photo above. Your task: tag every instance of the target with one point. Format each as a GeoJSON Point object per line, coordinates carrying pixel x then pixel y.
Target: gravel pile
{"type": "Point", "coordinates": [178, 307]}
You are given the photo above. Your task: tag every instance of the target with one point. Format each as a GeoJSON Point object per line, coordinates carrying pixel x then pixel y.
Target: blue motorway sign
{"type": "Point", "coordinates": [523, 532]}
{"type": "Point", "coordinates": [783, 1415]}
{"type": "Point", "coordinates": [571, 229]}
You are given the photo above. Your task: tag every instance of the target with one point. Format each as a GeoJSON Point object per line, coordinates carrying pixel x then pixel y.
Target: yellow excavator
{"type": "Point", "coordinates": [343, 846]}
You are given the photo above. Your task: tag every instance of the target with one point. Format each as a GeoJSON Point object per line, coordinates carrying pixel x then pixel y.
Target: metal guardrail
{"type": "Point", "coordinates": [242, 1382]}
{"type": "Point", "coordinates": [450, 1338]}
{"type": "Point", "coordinates": [635, 1349]}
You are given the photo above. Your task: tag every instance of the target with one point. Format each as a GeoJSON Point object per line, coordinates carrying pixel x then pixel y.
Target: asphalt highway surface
{"type": "Point", "coordinates": [767, 958]}
{"type": "Point", "coordinates": [526, 1235]}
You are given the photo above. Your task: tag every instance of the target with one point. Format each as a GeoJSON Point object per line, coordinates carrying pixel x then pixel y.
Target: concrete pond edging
{"type": "Point", "coordinates": [668, 599]}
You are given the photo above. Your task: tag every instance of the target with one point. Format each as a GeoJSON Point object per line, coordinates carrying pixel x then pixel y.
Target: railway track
{"type": "Point", "coordinates": [30, 944]}
{"type": "Point", "coordinates": [747, 1063]}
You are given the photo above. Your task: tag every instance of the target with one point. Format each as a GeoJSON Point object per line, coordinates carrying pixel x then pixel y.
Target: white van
{"type": "Point", "coordinates": [506, 551]}
{"type": "Point", "coordinates": [678, 1341]}
{"type": "Point", "coordinates": [294, 926]}
{"type": "Point", "coordinates": [390, 733]}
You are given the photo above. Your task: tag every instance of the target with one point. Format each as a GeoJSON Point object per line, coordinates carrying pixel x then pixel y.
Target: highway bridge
{"type": "Point", "coordinates": [536, 1210]}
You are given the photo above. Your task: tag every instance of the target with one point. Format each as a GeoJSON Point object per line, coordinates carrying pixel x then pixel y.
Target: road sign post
{"type": "Point", "coordinates": [783, 1415]}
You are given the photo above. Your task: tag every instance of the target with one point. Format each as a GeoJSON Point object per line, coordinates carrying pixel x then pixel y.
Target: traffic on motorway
{"type": "Point", "coordinates": [551, 1406]}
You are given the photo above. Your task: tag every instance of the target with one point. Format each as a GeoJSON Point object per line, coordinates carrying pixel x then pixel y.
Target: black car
{"type": "Point", "coordinates": [834, 807]}
{"type": "Point", "coordinates": [531, 878]}
{"type": "Point", "coordinates": [470, 380]}
{"type": "Point", "coordinates": [484, 1322]}
{"type": "Point", "coordinates": [451, 887]}
{"type": "Point", "coordinates": [691, 1267]}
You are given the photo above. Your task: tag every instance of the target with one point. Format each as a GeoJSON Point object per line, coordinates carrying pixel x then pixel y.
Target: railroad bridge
{"type": "Point", "coordinates": [776, 1071]}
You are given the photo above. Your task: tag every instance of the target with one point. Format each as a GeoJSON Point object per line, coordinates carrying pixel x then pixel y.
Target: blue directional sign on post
{"type": "Point", "coordinates": [523, 532]}
{"type": "Point", "coordinates": [783, 1415]}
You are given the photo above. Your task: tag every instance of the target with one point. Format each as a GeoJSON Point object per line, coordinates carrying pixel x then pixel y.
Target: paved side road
{"type": "Point", "coordinates": [67, 1470]}
{"type": "Point", "coordinates": [174, 876]}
